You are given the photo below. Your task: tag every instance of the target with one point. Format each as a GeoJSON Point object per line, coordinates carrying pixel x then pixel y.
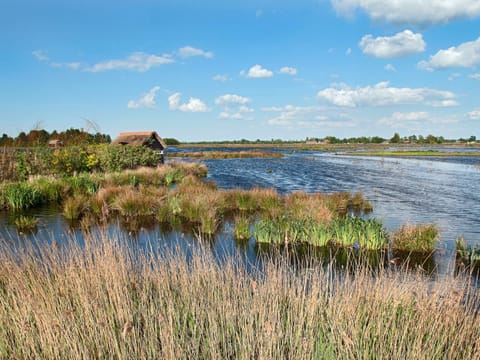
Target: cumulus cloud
{"type": "Point", "coordinates": [235, 106]}
{"type": "Point", "coordinates": [401, 44]}
{"type": "Point", "coordinates": [258, 72]}
{"type": "Point", "coordinates": [382, 94]}
{"type": "Point", "coordinates": [410, 12]}
{"type": "Point", "coordinates": [189, 51]}
{"type": "Point", "coordinates": [474, 115]}
{"type": "Point", "coordinates": [475, 76]}
{"type": "Point", "coordinates": [231, 99]}
{"type": "Point", "coordinates": [465, 55]}
{"type": "Point", "coordinates": [137, 61]}
{"type": "Point", "coordinates": [193, 104]}
{"type": "Point", "coordinates": [288, 70]}
{"type": "Point", "coordinates": [147, 101]}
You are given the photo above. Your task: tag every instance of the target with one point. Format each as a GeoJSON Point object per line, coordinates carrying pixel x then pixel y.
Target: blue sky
{"type": "Point", "coordinates": [215, 70]}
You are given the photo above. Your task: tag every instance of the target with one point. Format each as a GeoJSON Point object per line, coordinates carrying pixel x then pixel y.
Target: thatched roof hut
{"type": "Point", "coordinates": [144, 138]}
{"type": "Point", "coordinates": [55, 143]}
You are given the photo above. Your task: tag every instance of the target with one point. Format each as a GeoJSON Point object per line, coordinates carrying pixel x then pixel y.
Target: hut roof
{"type": "Point", "coordinates": [138, 138]}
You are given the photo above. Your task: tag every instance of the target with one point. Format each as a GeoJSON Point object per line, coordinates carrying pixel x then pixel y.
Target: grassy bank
{"type": "Point", "coordinates": [111, 301]}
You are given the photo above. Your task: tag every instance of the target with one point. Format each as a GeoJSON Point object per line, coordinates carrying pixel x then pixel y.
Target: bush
{"type": "Point", "coordinates": [116, 158]}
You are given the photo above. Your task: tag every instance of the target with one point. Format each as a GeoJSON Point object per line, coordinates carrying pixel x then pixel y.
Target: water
{"type": "Point", "coordinates": [441, 190]}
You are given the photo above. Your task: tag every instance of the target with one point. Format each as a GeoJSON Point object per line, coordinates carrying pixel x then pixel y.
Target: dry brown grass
{"type": "Point", "coordinates": [109, 300]}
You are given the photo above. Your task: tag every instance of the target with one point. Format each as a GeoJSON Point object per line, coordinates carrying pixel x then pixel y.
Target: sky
{"type": "Point", "coordinates": [225, 70]}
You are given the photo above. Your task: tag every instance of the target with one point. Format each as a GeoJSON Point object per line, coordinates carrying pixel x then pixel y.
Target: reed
{"type": "Point", "coordinates": [468, 254]}
{"type": "Point", "coordinates": [110, 300]}
{"type": "Point", "coordinates": [18, 196]}
{"type": "Point", "coordinates": [26, 224]}
{"type": "Point", "coordinates": [415, 238]}
{"type": "Point", "coordinates": [133, 202]}
{"type": "Point", "coordinates": [75, 207]}
{"type": "Point", "coordinates": [241, 229]}
{"type": "Point", "coordinates": [225, 154]}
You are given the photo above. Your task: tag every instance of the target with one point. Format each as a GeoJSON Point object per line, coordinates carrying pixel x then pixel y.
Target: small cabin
{"type": "Point", "coordinates": [55, 143]}
{"type": "Point", "coordinates": [141, 138]}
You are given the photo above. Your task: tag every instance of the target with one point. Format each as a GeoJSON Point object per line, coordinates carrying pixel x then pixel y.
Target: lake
{"type": "Point", "coordinates": [441, 190]}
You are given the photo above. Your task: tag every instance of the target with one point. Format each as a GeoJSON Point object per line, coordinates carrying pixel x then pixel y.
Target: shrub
{"type": "Point", "coordinates": [416, 238]}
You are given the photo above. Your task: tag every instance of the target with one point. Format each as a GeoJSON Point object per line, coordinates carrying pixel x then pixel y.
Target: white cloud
{"type": "Point", "coordinates": [40, 55]}
{"type": "Point", "coordinates": [401, 44]}
{"type": "Point", "coordinates": [474, 115]}
{"type": "Point", "coordinates": [310, 117]}
{"type": "Point", "coordinates": [390, 67]}
{"type": "Point", "coordinates": [231, 99]}
{"type": "Point", "coordinates": [401, 119]}
{"type": "Point", "coordinates": [221, 78]}
{"type": "Point", "coordinates": [193, 104]}
{"type": "Point", "coordinates": [147, 101]}
{"type": "Point", "coordinates": [475, 76]}
{"type": "Point", "coordinates": [137, 61]}
{"type": "Point", "coordinates": [382, 94]}
{"type": "Point", "coordinates": [225, 115]}
{"type": "Point", "coordinates": [288, 70]}
{"type": "Point", "coordinates": [189, 51]}
{"type": "Point", "coordinates": [410, 12]}
{"type": "Point", "coordinates": [257, 71]}
{"type": "Point", "coordinates": [465, 55]}
{"type": "Point", "coordinates": [453, 76]}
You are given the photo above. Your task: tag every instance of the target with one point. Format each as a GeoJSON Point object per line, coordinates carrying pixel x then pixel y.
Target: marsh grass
{"type": "Point", "coordinates": [470, 255]}
{"type": "Point", "coordinates": [109, 300]}
{"type": "Point", "coordinates": [26, 224]}
{"type": "Point", "coordinates": [225, 154]}
{"type": "Point", "coordinates": [415, 238]}
{"type": "Point", "coordinates": [18, 196]}
{"type": "Point", "coordinates": [241, 229]}
{"type": "Point", "coordinates": [75, 207]}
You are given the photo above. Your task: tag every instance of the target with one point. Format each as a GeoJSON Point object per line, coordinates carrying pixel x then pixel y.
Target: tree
{"type": "Point", "coordinates": [395, 139]}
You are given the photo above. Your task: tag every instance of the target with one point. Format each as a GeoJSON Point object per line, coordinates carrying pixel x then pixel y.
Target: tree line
{"type": "Point", "coordinates": [42, 137]}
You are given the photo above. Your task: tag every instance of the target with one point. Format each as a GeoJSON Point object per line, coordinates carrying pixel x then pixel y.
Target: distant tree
{"type": "Point", "coordinates": [472, 138]}
{"type": "Point", "coordinates": [171, 141]}
{"type": "Point", "coordinates": [395, 139]}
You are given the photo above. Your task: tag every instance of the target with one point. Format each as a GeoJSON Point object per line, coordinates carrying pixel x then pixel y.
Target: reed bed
{"type": "Point", "coordinates": [110, 300]}
{"type": "Point", "coordinates": [225, 154]}
{"type": "Point", "coordinates": [415, 238]}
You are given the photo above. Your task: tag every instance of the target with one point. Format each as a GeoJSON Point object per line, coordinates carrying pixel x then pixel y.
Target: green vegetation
{"type": "Point", "coordinates": [470, 255]}
{"type": "Point", "coordinates": [21, 196]}
{"type": "Point", "coordinates": [26, 224]}
{"type": "Point", "coordinates": [111, 300]}
{"type": "Point", "coordinates": [242, 228]}
{"type": "Point", "coordinates": [225, 154]}
{"type": "Point", "coordinates": [415, 238]}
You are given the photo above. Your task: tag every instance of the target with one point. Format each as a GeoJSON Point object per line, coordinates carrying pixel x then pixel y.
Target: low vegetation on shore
{"type": "Point", "coordinates": [224, 154]}
{"type": "Point", "coordinates": [109, 300]}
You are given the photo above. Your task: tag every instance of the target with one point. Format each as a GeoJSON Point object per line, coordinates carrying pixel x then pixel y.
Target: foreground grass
{"type": "Point", "coordinates": [111, 301]}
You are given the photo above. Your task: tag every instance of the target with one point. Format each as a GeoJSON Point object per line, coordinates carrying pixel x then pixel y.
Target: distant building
{"type": "Point", "coordinates": [55, 143]}
{"type": "Point", "coordinates": [142, 138]}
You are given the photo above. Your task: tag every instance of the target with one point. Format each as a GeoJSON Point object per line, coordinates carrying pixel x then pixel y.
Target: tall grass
{"type": "Point", "coordinates": [113, 301]}
{"type": "Point", "coordinates": [22, 195]}
{"type": "Point", "coordinates": [415, 238]}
